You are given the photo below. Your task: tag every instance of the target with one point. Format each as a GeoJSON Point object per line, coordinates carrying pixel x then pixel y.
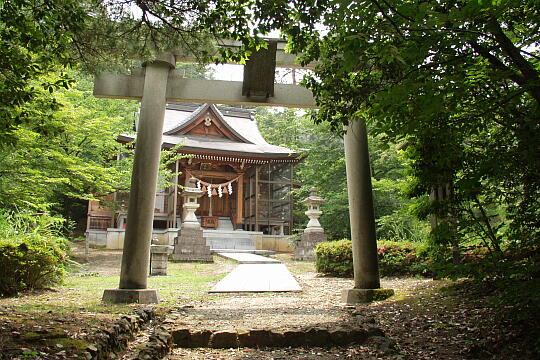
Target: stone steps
{"type": "Point", "coordinates": [248, 258]}
{"type": "Point", "coordinates": [225, 237]}
{"type": "Point", "coordinates": [221, 239]}
{"type": "Point", "coordinates": [254, 338]}
{"type": "Point", "coordinates": [258, 252]}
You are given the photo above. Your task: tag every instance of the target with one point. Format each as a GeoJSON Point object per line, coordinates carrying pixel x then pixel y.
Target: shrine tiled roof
{"type": "Point", "coordinates": [240, 122]}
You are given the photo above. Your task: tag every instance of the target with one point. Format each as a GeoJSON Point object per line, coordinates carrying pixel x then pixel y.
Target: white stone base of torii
{"type": "Point", "coordinates": [155, 84]}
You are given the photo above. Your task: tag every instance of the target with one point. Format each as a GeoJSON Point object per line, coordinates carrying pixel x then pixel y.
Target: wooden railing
{"type": "Point", "coordinates": [99, 222]}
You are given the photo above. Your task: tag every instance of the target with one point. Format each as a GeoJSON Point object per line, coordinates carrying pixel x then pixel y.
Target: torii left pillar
{"type": "Point", "coordinates": [136, 254]}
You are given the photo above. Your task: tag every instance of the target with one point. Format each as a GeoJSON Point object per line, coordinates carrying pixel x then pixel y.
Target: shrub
{"type": "Point", "coordinates": [395, 258]}
{"type": "Point", "coordinates": [401, 258]}
{"type": "Point", "coordinates": [334, 258]}
{"type": "Point", "coordinates": [32, 255]}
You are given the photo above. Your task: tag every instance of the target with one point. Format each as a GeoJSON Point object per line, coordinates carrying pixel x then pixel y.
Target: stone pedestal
{"type": "Point", "coordinates": [140, 296]}
{"type": "Point", "coordinates": [159, 255]}
{"type": "Point", "coordinates": [305, 248]}
{"type": "Point", "coordinates": [190, 245]}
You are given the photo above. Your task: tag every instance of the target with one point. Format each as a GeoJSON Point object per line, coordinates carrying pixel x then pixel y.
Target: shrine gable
{"type": "Point", "coordinates": [208, 121]}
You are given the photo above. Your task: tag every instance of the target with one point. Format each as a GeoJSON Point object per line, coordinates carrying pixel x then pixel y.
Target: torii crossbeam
{"type": "Point", "coordinates": [157, 83]}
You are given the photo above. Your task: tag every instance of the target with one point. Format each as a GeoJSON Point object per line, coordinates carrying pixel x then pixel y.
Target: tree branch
{"type": "Point", "coordinates": [530, 75]}
{"type": "Point", "coordinates": [397, 12]}
{"type": "Point", "coordinates": [383, 13]}
{"type": "Point", "coordinates": [496, 63]}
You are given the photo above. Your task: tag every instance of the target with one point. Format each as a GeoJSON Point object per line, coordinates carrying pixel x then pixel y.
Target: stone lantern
{"type": "Point", "coordinates": [313, 233]}
{"type": "Point", "coordinates": [190, 244]}
{"type": "Point", "coordinates": [313, 203]}
{"type": "Point", "coordinates": [190, 195]}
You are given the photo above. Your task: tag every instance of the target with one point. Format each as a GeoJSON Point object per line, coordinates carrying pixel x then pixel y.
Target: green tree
{"type": "Point", "coordinates": [71, 162]}
{"type": "Point", "coordinates": [41, 39]}
{"type": "Point", "coordinates": [35, 38]}
{"type": "Point", "coordinates": [457, 83]}
{"type": "Point", "coordinates": [323, 166]}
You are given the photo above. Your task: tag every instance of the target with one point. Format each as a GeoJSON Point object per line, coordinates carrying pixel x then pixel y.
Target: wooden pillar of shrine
{"type": "Point", "coordinates": [240, 200]}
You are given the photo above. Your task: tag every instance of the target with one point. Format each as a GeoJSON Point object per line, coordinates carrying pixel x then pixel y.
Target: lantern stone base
{"type": "Point", "coordinates": [190, 246]}
{"type": "Point", "coordinates": [305, 248]}
{"type": "Point", "coordinates": [356, 296]}
{"type": "Point", "coordinates": [140, 296]}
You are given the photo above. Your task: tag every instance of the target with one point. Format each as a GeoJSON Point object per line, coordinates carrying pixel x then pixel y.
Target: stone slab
{"type": "Point", "coordinates": [140, 296]}
{"type": "Point", "coordinates": [247, 258]}
{"type": "Point", "coordinates": [257, 278]}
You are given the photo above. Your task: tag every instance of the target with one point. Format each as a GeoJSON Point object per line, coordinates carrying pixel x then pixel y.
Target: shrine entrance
{"type": "Point", "coordinates": [158, 83]}
{"type": "Point", "coordinates": [216, 206]}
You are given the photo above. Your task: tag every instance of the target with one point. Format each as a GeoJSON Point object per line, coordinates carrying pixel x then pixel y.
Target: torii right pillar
{"type": "Point", "coordinates": [362, 217]}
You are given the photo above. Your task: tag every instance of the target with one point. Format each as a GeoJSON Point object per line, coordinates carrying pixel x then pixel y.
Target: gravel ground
{"type": "Point", "coordinates": [319, 304]}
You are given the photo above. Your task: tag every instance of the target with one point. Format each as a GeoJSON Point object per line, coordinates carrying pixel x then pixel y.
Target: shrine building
{"type": "Point", "coordinates": [247, 183]}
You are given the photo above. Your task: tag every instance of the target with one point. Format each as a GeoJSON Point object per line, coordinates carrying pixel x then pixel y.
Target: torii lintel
{"type": "Point", "coordinates": [258, 87]}
{"type": "Point", "coordinates": [201, 91]}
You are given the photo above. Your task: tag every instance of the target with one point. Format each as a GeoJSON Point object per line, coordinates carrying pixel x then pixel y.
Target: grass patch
{"type": "Point", "coordinates": [186, 281]}
{"type": "Point", "coordinates": [79, 298]}
{"type": "Point", "coordinates": [75, 307]}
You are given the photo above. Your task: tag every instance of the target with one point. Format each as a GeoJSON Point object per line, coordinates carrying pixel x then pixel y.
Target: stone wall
{"type": "Point", "coordinates": [278, 243]}
{"type": "Point", "coordinates": [97, 238]}
{"type": "Point", "coordinates": [113, 238]}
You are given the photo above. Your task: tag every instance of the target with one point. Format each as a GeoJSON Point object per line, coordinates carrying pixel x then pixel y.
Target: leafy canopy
{"type": "Point", "coordinates": [457, 82]}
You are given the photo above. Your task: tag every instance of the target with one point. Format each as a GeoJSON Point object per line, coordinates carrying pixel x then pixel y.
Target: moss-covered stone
{"type": "Point", "coordinates": [224, 340]}
{"type": "Point", "coordinates": [43, 334]}
{"type": "Point", "coordinates": [355, 296]}
{"type": "Point", "coordinates": [68, 343]}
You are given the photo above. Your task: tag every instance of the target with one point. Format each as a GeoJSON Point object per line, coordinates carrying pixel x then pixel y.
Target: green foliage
{"type": "Point", "coordinates": [402, 258]}
{"type": "Point", "coordinates": [402, 226]}
{"type": "Point", "coordinates": [334, 258]}
{"type": "Point", "coordinates": [32, 252]}
{"type": "Point", "coordinates": [35, 38]}
{"type": "Point", "coordinates": [458, 84]}
{"type": "Point", "coordinates": [323, 166]}
{"type": "Point", "coordinates": [72, 161]}
{"type": "Point", "coordinates": [395, 258]}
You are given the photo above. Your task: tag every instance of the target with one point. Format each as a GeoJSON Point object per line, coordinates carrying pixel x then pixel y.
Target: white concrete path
{"type": "Point", "coordinates": [263, 276]}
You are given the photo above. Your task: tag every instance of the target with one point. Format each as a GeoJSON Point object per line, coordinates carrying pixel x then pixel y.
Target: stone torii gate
{"type": "Point", "coordinates": [158, 82]}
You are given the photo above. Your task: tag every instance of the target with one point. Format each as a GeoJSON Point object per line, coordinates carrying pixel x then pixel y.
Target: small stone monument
{"type": "Point", "coordinates": [159, 255]}
{"type": "Point", "coordinates": [313, 233]}
{"type": "Point", "coordinates": [190, 244]}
